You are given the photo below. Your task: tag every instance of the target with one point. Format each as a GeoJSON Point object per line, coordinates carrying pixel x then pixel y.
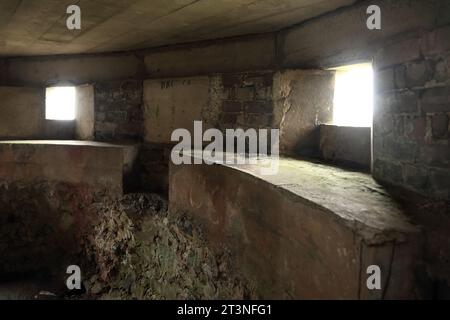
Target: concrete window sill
{"type": "Point", "coordinates": [346, 145]}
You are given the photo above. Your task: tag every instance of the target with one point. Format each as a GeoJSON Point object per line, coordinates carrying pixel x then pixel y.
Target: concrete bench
{"type": "Point", "coordinates": [95, 164]}
{"type": "Point", "coordinates": [308, 232]}
{"type": "Point", "coordinates": [47, 189]}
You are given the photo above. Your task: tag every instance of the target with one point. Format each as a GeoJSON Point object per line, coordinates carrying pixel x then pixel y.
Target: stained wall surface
{"type": "Point", "coordinates": [22, 112]}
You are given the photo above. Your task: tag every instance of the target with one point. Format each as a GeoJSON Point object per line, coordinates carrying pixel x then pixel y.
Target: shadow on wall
{"type": "Point", "coordinates": [303, 99]}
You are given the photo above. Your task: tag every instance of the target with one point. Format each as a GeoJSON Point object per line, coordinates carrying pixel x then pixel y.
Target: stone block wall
{"type": "Point", "coordinates": [412, 111]}
{"type": "Point", "coordinates": [411, 137]}
{"type": "Point", "coordinates": [118, 110]}
{"type": "Point", "coordinates": [246, 100]}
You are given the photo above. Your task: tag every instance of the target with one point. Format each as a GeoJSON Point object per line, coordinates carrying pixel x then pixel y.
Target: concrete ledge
{"type": "Point", "coordinates": [95, 164]}
{"type": "Point", "coordinates": [309, 232]}
{"type": "Point", "coordinates": [50, 193]}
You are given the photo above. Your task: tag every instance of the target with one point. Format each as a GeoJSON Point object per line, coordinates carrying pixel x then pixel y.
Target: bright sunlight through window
{"type": "Point", "coordinates": [60, 103]}
{"type": "Point", "coordinates": [353, 96]}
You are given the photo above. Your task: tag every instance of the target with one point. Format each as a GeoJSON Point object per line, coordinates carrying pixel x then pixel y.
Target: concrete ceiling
{"type": "Point", "coordinates": [38, 27]}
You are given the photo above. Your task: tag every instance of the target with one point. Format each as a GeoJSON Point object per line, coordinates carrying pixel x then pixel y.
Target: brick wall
{"type": "Point", "coordinates": [412, 110]}
{"type": "Point", "coordinates": [246, 100]}
{"type": "Point", "coordinates": [411, 138]}
{"type": "Point", "coordinates": [118, 110]}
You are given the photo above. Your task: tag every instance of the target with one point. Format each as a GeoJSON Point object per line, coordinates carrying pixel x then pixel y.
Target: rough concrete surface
{"type": "Point", "coordinates": [411, 114]}
{"type": "Point", "coordinates": [92, 164]}
{"type": "Point", "coordinates": [73, 70]}
{"type": "Point", "coordinates": [32, 27]}
{"type": "Point", "coordinates": [22, 112]}
{"type": "Point", "coordinates": [303, 99]}
{"type": "Point", "coordinates": [84, 128]}
{"type": "Point", "coordinates": [346, 145]}
{"type": "Point", "coordinates": [170, 104]}
{"type": "Point", "coordinates": [328, 223]}
{"type": "Point", "coordinates": [229, 55]}
{"type": "Point", "coordinates": [342, 37]}
{"type": "Point", "coordinates": [23, 116]}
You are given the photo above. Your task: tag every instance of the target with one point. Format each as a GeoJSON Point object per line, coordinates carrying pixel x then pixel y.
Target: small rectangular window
{"type": "Point", "coordinates": [353, 96]}
{"type": "Point", "coordinates": [60, 103]}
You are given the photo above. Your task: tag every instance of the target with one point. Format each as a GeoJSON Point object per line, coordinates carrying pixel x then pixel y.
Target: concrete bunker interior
{"type": "Point", "coordinates": [101, 192]}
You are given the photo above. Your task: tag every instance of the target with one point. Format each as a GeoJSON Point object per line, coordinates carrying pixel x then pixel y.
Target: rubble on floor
{"type": "Point", "coordinates": [165, 257]}
{"type": "Point", "coordinates": [127, 248]}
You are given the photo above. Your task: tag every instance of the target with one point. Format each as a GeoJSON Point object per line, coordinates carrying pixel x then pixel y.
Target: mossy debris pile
{"type": "Point", "coordinates": [166, 256]}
